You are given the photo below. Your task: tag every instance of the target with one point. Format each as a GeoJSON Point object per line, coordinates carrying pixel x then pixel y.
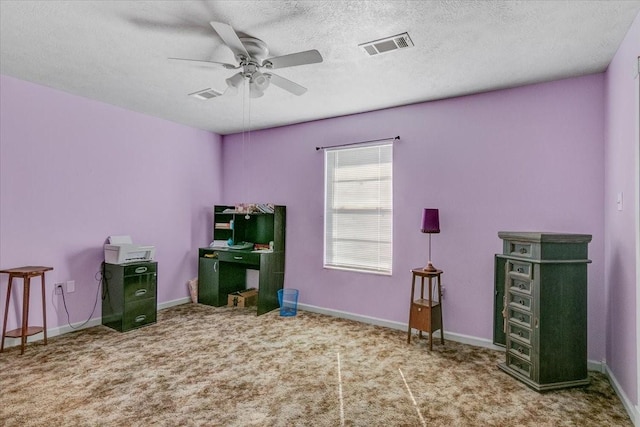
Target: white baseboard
{"type": "Point", "coordinates": [465, 339]}
{"type": "Point", "coordinates": [592, 365]}
{"type": "Point", "coordinates": [632, 410]}
{"type": "Point", "coordinates": [96, 321]}
{"type": "Point", "coordinates": [173, 303]}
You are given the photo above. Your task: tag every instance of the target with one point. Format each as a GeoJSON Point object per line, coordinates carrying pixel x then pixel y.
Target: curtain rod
{"type": "Point", "coordinates": [361, 142]}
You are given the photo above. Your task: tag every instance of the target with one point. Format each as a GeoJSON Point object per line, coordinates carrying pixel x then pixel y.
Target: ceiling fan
{"type": "Point", "coordinates": [252, 56]}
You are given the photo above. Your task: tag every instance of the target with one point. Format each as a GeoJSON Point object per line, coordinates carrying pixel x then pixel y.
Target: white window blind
{"type": "Point", "coordinates": [359, 208]}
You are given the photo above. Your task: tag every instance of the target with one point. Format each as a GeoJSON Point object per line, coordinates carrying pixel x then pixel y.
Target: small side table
{"type": "Point", "coordinates": [426, 314]}
{"type": "Point", "coordinates": [25, 273]}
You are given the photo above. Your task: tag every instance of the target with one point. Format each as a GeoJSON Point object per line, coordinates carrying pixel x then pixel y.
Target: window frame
{"type": "Point", "coordinates": [384, 267]}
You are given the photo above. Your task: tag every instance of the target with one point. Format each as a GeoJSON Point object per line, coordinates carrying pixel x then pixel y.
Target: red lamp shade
{"type": "Point", "coordinates": [430, 221]}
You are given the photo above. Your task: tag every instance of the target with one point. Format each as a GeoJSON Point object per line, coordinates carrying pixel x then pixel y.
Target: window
{"type": "Point", "coordinates": [359, 208]}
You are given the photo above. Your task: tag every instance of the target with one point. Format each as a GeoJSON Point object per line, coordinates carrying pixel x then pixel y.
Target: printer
{"type": "Point", "coordinates": [121, 250]}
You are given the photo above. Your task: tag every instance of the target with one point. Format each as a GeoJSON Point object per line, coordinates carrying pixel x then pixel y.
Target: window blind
{"type": "Point", "coordinates": [359, 208]}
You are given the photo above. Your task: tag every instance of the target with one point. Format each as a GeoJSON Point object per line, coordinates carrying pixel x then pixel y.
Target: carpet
{"type": "Point", "coordinates": [207, 366]}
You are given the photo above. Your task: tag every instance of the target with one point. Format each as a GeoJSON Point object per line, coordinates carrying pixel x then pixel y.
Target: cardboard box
{"type": "Point", "coordinates": [247, 298]}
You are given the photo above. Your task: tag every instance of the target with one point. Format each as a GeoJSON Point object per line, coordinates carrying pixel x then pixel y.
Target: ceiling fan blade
{"type": "Point", "coordinates": [286, 84]}
{"type": "Point", "coordinates": [294, 59]}
{"type": "Point", "coordinates": [230, 38]}
{"type": "Point", "coordinates": [227, 66]}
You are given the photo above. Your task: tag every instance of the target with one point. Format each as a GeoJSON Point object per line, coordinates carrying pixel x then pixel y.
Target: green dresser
{"type": "Point", "coordinates": [129, 295]}
{"type": "Point", "coordinates": [540, 308]}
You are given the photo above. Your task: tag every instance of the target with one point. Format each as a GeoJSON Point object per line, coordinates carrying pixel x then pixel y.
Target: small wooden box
{"type": "Point", "coordinates": [248, 298]}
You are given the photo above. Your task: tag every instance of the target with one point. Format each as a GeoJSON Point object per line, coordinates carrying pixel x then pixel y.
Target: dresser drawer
{"type": "Point", "coordinates": [240, 257]}
{"type": "Point", "coordinates": [519, 333]}
{"type": "Point", "coordinates": [519, 365]}
{"type": "Point", "coordinates": [521, 350]}
{"type": "Point", "coordinates": [519, 249]}
{"type": "Point", "coordinates": [139, 313]}
{"type": "Point", "coordinates": [519, 269]}
{"type": "Point", "coordinates": [520, 318]}
{"type": "Point", "coordinates": [520, 301]}
{"type": "Point", "coordinates": [520, 285]}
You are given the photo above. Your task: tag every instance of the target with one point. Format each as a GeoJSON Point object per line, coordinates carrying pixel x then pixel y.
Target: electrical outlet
{"type": "Point", "coordinates": [71, 286]}
{"type": "Point", "coordinates": [58, 288]}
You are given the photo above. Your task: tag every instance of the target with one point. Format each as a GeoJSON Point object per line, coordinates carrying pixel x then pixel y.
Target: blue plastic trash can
{"type": "Point", "coordinates": [288, 300]}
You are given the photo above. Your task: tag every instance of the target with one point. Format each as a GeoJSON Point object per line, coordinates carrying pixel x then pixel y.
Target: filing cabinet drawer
{"type": "Point", "coordinates": [521, 350]}
{"type": "Point", "coordinates": [139, 313]}
{"type": "Point", "coordinates": [522, 302]}
{"type": "Point", "coordinates": [519, 365]}
{"type": "Point", "coordinates": [519, 285]}
{"type": "Point", "coordinates": [520, 318]}
{"type": "Point", "coordinates": [240, 257]}
{"type": "Point", "coordinates": [519, 268]}
{"type": "Point", "coordinates": [519, 333]}
{"type": "Point", "coordinates": [140, 268]}
{"type": "Point", "coordinates": [138, 291]}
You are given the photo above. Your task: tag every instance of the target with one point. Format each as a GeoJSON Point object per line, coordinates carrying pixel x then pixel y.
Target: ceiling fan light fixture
{"type": "Point", "coordinates": [260, 81]}
{"type": "Point", "coordinates": [233, 83]}
{"type": "Point", "coordinates": [255, 91]}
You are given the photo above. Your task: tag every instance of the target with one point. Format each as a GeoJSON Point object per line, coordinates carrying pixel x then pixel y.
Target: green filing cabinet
{"type": "Point", "coordinates": [129, 298]}
{"type": "Point", "coordinates": [541, 308]}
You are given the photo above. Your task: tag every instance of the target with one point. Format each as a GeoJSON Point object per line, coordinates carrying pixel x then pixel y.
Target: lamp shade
{"type": "Point", "coordinates": [430, 221]}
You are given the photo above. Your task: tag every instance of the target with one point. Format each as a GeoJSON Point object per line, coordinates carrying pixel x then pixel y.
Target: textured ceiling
{"type": "Point", "coordinates": [116, 52]}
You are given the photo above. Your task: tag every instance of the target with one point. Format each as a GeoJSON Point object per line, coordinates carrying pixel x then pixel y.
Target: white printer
{"type": "Point", "coordinates": [121, 250]}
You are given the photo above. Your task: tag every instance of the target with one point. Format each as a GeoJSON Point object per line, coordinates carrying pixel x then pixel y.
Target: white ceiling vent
{"type": "Point", "coordinates": [206, 94]}
{"type": "Point", "coordinates": [400, 41]}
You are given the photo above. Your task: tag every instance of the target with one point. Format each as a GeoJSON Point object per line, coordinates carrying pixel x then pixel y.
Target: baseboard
{"type": "Point", "coordinates": [592, 365]}
{"type": "Point", "coordinates": [632, 410]}
{"type": "Point", "coordinates": [465, 339]}
{"type": "Point", "coordinates": [173, 303]}
{"type": "Point", "coordinates": [96, 321]}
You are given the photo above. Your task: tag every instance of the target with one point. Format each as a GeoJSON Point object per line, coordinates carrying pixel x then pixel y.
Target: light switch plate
{"type": "Point", "coordinates": [619, 201]}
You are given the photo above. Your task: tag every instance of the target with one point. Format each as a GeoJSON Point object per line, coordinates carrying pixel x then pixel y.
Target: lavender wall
{"type": "Point", "coordinates": [621, 157]}
{"type": "Point", "coordinates": [74, 171]}
{"type": "Point", "coordinates": [522, 159]}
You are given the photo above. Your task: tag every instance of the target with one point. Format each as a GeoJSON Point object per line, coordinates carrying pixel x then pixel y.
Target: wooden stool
{"type": "Point", "coordinates": [426, 314]}
{"type": "Point", "coordinates": [25, 273]}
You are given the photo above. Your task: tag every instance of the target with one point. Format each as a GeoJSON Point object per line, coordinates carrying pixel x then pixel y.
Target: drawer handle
{"type": "Point", "coordinates": [140, 318]}
{"type": "Point", "coordinates": [522, 302]}
{"type": "Point", "coordinates": [521, 318]}
{"type": "Point", "coordinates": [141, 269]}
{"type": "Point", "coordinates": [520, 350]}
{"type": "Point", "coordinates": [140, 292]}
{"type": "Point", "coordinates": [520, 285]}
{"type": "Point", "coordinates": [519, 333]}
{"type": "Point", "coordinates": [523, 250]}
{"type": "Point", "coordinates": [520, 270]}
{"type": "Point", "coordinates": [237, 257]}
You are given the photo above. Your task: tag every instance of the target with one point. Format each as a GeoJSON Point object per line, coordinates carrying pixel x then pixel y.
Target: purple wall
{"type": "Point", "coordinates": [621, 157]}
{"type": "Point", "coordinates": [522, 159]}
{"type": "Point", "coordinates": [74, 171]}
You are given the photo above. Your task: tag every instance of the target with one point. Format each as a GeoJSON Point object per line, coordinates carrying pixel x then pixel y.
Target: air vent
{"type": "Point", "coordinates": [400, 41]}
{"type": "Point", "coordinates": [206, 94]}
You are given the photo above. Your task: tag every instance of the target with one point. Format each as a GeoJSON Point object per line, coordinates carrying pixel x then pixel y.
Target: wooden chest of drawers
{"type": "Point", "coordinates": [540, 308]}
{"type": "Point", "coordinates": [129, 295]}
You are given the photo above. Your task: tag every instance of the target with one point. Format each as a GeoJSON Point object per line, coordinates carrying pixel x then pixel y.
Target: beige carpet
{"type": "Point", "coordinates": [205, 366]}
